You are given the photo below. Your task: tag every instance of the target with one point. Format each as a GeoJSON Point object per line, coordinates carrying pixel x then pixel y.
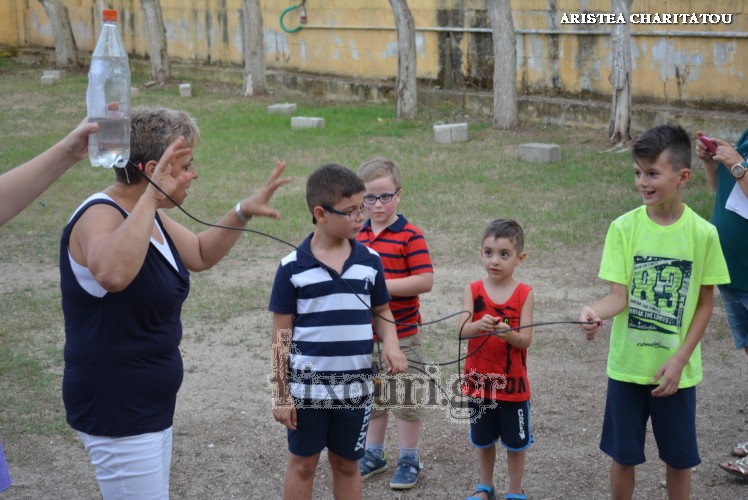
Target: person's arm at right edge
{"type": "Point", "coordinates": [710, 166]}
{"type": "Point", "coordinates": [610, 305]}
{"type": "Point", "coordinates": [284, 410]}
{"type": "Point", "coordinates": [728, 156]}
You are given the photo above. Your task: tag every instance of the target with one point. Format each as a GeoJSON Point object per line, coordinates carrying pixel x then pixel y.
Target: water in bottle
{"type": "Point", "coordinates": [108, 97]}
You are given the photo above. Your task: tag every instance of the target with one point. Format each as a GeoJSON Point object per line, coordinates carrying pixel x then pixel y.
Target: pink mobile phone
{"type": "Point", "coordinates": [708, 143]}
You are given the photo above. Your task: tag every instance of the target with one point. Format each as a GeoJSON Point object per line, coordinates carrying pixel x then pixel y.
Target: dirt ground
{"type": "Point", "coordinates": [226, 444]}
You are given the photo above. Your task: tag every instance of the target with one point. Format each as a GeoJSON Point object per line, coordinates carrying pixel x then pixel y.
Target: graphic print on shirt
{"type": "Point", "coordinates": [657, 300]}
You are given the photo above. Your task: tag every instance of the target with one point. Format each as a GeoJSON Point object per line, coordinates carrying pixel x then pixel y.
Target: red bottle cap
{"type": "Point", "coordinates": [109, 15]}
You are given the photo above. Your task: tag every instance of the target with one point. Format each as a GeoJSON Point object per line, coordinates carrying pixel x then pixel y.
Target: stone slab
{"type": "Point", "coordinates": [536, 152]}
{"type": "Point", "coordinates": [451, 132]}
{"type": "Point", "coordinates": [287, 108]}
{"type": "Point", "coordinates": [49, 80]}
{"type": "Point", "coordinates": [307, 122]}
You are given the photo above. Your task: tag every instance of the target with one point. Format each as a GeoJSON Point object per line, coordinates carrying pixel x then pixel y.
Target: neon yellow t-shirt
{"type": "Point", "coordinates": [663, 269]}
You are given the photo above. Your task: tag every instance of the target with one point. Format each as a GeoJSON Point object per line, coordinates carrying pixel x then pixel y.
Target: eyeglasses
{"type": "Point", "coordinates": [353, 212]}
{"type": "Point", "coordinates": [385, 198]}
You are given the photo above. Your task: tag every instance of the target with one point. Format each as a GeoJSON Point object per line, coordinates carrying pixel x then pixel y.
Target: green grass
{"type": "Point", "coordinates": [450, 191]}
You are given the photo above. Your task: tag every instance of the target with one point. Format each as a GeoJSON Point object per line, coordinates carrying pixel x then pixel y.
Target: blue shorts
{"type": "Point", "coordinates": [628, 407]}
{"type": "Point", "coordinates": [340, 430]}
{"type": "Point", "coordinates": [508, 421]}
{"type": "Point", "coordinates": [736, 308]}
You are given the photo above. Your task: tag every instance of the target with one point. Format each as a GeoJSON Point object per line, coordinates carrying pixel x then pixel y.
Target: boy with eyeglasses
{"type": "Point", "coordinates": [408, 272]}
{"type": "Point", "coordinates": [325, 295]}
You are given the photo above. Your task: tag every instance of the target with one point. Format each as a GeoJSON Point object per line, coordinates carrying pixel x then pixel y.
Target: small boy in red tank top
{"type": "Point", "coordinates": [495, 377]}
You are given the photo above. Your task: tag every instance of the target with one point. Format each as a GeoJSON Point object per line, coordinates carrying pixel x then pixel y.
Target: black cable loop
{"type": "Point", "coordinates": [330, 270]}
{"type": "Point", "coordinates": [337, 275]}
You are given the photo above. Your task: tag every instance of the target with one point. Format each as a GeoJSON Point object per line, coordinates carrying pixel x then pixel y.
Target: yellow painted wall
{"type": "Point", "coordinates": [11, 23]}
{"type": "Point", "coordinates": [357, 38]}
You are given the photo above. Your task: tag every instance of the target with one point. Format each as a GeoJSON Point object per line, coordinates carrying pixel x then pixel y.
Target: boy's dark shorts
{"type": "Point", "coordinates": [339, 429]}
{"type": "Point", "coordinates": [628, 406]}
{"type": "Point", "coordinates": [508, 421]}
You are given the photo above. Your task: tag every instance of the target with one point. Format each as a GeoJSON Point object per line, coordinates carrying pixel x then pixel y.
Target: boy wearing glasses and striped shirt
{"type": "Point", "coordinates": [408, 272]}
{"type": "Point", "coordinates": [325, 296]}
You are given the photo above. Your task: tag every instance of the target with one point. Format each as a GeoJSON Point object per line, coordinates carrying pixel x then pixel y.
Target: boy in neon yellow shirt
{"type": "Point", "coordinates": [662, 261]}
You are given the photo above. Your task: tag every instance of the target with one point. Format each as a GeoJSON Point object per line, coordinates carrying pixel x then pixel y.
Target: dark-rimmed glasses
{"type": "Point", "coordinates": [385, 198]}
{"type": "Point", "coordinates": [353, 212]}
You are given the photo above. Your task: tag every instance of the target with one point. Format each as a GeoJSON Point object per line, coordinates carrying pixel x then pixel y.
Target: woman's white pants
{"type": "Point", "coordinates": [133, 467]}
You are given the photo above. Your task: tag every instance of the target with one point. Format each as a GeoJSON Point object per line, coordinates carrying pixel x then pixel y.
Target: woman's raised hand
{"type": "Point", "coordinates": [259, 202]}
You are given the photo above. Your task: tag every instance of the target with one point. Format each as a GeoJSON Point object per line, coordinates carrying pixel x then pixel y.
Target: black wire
{"type": "Point", "coordinates": [337, 275]}
{"type": "Point", "coordinates": [330, 270]}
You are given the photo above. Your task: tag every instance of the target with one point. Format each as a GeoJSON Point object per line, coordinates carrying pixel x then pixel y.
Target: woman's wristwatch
{"type": "Point", "coordinates": [738, 170]}
{"type": "Point", "coordinates": [240, 215]}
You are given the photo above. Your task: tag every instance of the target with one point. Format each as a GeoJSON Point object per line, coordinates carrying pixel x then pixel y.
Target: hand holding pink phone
{"type": "Point", "coordinates": [708, 143]}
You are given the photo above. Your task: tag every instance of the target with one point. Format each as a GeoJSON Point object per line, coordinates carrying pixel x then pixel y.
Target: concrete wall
{"type": "Point", "coordinates": [692, 63]}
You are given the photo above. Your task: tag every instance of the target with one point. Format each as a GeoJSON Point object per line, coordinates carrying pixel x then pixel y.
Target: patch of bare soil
{"type": "Point", "coordinates": [226, 444]}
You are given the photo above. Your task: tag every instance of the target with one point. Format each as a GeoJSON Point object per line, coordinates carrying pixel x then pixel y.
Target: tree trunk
{"type": "Point", "coordinates": [253, 49]}
{"type": "Point", "coordinates": [154, 27]}
{"type": "Point", "coordinates": [619, 128]}
{"type": "Point", "coordinates": [66, 52]}
{"type": "Point", "coordinates": [505, 113]}
{"type": "Point", "coordinates": [99, 6]}
{"type": "Point", "coordinates": [406, 87]}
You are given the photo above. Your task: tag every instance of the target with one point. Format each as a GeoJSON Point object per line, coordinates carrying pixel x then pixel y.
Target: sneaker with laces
{"type": "Point", "coordinates": [371, 465]}
{"type": "Point", "coordinates": [406, 474]}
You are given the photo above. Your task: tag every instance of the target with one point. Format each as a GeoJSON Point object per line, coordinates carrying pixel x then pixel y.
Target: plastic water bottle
{"type": "Point", "coordinates": [108, 97]}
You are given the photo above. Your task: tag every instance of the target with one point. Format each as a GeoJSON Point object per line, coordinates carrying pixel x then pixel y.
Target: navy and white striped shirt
{"type": "Point", "coordinates": [332, 343]}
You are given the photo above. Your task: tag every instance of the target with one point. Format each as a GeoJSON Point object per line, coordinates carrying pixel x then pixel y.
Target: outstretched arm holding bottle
{"type": "Point", "coordinates": [22, 185]}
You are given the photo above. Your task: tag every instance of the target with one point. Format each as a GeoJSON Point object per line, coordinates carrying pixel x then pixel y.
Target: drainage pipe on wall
{"type": "Point", "coordinates": [446, 29]}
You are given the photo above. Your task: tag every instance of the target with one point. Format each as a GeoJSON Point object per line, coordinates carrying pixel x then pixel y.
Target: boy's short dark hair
{"type": "Point", "coordinates": [331, 183]}
{"type": "Point", "coordinates": [379, 166]}
{"type": "Point", "coordinates": [506, 228]}
{"type": "Point", "coordinates": [671, 138]}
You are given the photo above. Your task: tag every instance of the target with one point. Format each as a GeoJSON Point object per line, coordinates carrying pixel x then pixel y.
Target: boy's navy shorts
{"type": "Point", "coordinates": [508, 421]}
{"type": "Point", "coordinates": [628, 406]}
{"type": "Point", "coordinates": [341, 430]}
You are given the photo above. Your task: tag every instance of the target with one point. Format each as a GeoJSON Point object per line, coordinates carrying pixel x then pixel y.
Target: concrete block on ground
{"type": "Point", "coordinates": [307, 122]}
{"type": "Point", "coordinates": [185, 90]}
{"type": "Point", "coordinates": [53, 73]}
{"type": "Point", "coordinates": [536, 152]}
{"type": "Point", "coordinates": [48, 80]}
{"type": "Point", "coordinates": [451, 132]}
{"type": "Point", "coordinates": [133, 91]}
{"type": "Point", "coordinates": [287, 108]}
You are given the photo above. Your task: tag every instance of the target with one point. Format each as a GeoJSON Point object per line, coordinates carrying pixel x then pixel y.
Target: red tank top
{"type": "Point", "coordinates": [498, 370]}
